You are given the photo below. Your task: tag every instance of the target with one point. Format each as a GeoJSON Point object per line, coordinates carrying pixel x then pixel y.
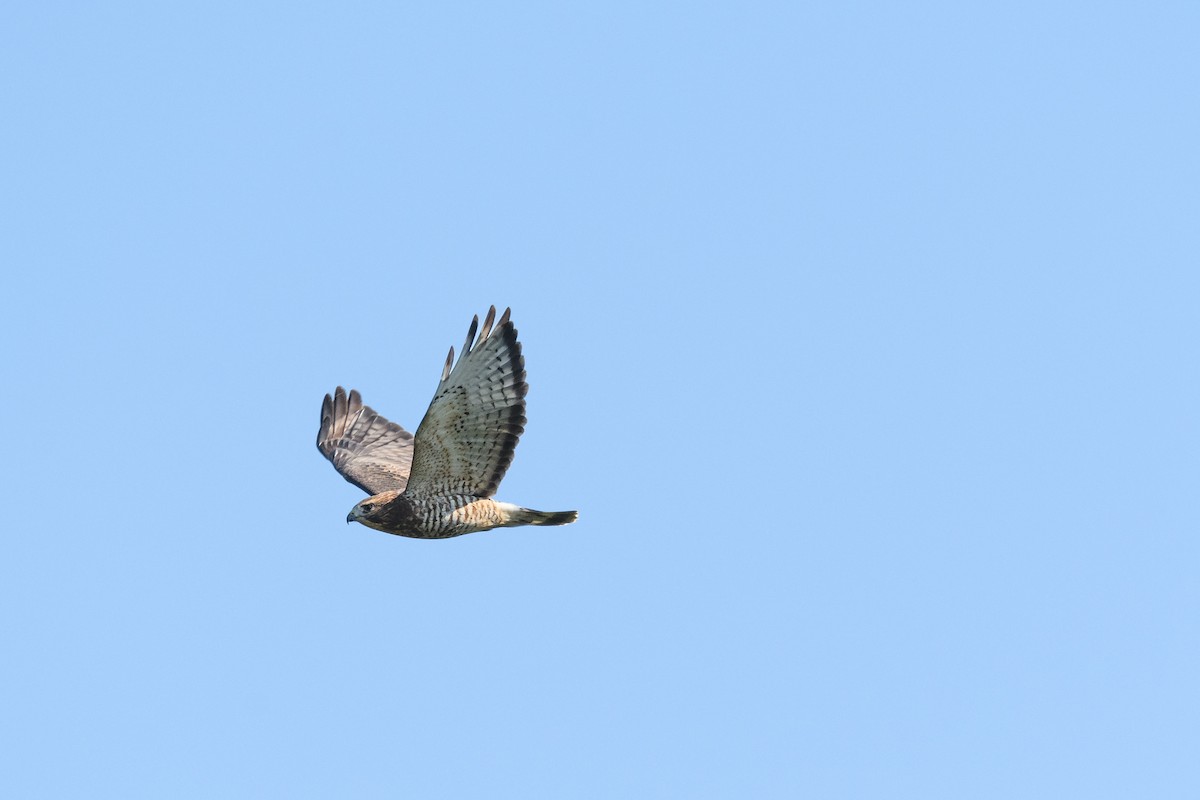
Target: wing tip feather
{"type": "Point", "coordinates": [470, 343]}
{"type": "Point", "coordinates": [487, 324]}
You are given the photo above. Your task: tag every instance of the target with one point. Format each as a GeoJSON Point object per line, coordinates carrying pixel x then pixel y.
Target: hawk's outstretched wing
{"type": "Point", "coordinates": [466, 441]}
{"type": "Point", "coordinates": [369, 451]}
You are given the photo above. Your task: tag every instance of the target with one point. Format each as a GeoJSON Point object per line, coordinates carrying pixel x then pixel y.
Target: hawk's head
{"type": "Point", "coordinates": [380, 511]}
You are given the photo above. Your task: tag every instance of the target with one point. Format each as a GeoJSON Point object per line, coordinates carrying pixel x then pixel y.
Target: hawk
{"type": "Point", "coordinates": [439, 483]}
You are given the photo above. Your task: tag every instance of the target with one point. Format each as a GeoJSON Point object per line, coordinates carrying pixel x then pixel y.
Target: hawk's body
{"type": "Point", "coordinates": [440, 483]}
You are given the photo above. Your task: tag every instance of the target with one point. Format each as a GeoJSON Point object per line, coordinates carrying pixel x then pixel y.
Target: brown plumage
{"type": "Point", "coordinates": [439, 483]}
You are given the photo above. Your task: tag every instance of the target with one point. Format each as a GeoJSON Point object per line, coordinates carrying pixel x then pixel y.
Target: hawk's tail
{"type": "Point", "coordinates": [527, 516]}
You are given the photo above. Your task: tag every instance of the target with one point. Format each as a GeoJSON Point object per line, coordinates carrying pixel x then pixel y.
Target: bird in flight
{"type": "Point", "coordinates": [439, 483]}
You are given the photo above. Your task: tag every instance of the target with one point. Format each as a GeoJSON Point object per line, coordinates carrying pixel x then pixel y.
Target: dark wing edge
{"type": "Point", "coordinates": [468, 437]}
{"type": "Point", "coordinates": [367, 449]}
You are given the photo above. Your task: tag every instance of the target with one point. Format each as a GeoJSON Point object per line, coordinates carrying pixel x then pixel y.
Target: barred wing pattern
{"type": "Point", "coordinates": [465, 443]}
{"type": "Point", "coordinates": [370, 452]}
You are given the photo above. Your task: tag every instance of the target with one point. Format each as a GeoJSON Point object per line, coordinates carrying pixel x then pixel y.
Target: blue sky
{"type": "Point", "coordinates": [863, 336]}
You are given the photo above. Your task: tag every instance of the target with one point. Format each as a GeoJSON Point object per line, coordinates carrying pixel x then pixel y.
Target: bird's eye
{"type": "Point", "coordinates": [366, 508]}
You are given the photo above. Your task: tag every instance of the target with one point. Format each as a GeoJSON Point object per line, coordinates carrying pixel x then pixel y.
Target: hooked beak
{"type": "Point", "coordinates": [350, 517]}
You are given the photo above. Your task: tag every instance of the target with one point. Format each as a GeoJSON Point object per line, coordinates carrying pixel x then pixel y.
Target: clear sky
{"type": "Point", "coordinates": [862, 335]}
